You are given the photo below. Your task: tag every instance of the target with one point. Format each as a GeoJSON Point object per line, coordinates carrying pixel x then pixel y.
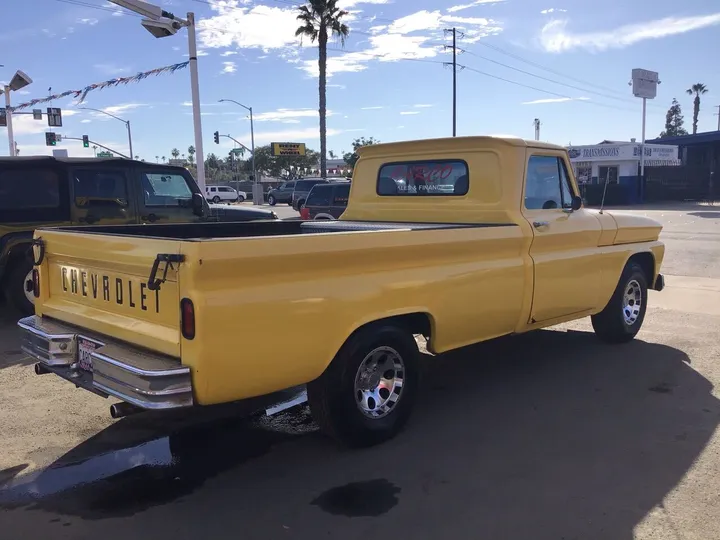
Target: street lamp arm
{"type": "Point", "coordinates": [238, 142]}
{"type": "Point", "coordinates": [104, 112]}
{"type": "Point", "coordinates": [236, 103]}
{"type": "Point", "coordinates": [98, 144]}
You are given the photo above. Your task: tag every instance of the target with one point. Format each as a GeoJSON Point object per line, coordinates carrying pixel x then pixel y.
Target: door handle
{"type": "Point", "coordinates": [540, 224]}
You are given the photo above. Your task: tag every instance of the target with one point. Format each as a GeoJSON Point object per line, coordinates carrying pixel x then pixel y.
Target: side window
{"type": "Point", "coordinates": [542, 186]}
{"type": "Point", "coordinates": [341, 195]}
{"type": "Point", "coordinates": [30, 194]}
{"type": "Point", "coordinates": [98, 188]}
{"type": "Point", "coordinates": [290, 186]}
{"type": "Point", "coordinates": [565, 185]}
{"type": "Point", "coordinates": [165, 190]}
{"type": "Point", "coordinates": [319, 197]}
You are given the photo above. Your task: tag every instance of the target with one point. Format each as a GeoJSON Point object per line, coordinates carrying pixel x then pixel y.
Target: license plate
{"type": "Point", "coordinates": [85, 350]}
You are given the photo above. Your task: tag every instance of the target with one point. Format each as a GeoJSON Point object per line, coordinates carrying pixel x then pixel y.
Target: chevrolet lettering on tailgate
{"type": "Point", "coordinates": [105, 287]}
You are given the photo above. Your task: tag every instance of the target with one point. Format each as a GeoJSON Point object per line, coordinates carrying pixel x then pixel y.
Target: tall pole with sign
{"type": "Point", "coordinates": [8, 115]}
{"type": "Point", "coordinates": [644, 85]}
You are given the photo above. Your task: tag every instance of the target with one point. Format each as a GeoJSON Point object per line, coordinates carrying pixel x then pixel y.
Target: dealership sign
{"type": "Point", "coordinates": [621, 152]}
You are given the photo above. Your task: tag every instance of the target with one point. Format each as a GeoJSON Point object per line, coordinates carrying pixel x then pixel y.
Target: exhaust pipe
{"type": "Point", "coordinates": [122, 409]}
{"type": "Point", "coordinates": [41, 370]}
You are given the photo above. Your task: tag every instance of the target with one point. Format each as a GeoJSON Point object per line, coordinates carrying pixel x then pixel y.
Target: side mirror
{"type": "Point", "coordinates": [576, 203]}
{"type": "Point", "coordinates": [198, 204]}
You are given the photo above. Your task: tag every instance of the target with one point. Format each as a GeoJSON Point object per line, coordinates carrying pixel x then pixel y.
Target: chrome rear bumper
{"type": "Point", "coordinates": [143, 378]}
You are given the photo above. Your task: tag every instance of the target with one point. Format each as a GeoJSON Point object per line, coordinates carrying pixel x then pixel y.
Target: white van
{"type": "Point", "coordinates": [218, 194]}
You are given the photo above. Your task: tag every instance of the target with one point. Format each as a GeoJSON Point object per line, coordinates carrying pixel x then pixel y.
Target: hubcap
{"type": "Point", "coordinates": [632, 302]}
{"type": "Point", "coordinates": [27, 284]}
{"type": "Point", "coordinates": [379, 382]}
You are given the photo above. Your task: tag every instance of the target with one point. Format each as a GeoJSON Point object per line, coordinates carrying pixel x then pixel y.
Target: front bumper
{"type": "Point", "coordinates": [136, 376]}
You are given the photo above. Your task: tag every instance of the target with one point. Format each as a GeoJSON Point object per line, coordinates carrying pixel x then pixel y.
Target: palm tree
{"type": "Point", "coordinates": [175, 153]}
{"type": "Point", "coordinates": [191, 154]}
{"type": "Point", "coordinates": [157, 158]}
{"type": "Point", "coordinates": [318, 18]}
{"type": "Point", "coordinates": [95, 150]}
{"type": "Point", "coordinates": [163, 159]}
{"type": "Point", "coordinates": [697, 89]}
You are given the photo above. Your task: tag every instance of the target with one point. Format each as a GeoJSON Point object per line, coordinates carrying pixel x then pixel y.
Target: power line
{"type": "Point", "coordinates": [544, 91]}
{"type": "Point", "coordinates": [100, 8]}
{"type": "Point", "coordinates": [425, 60]}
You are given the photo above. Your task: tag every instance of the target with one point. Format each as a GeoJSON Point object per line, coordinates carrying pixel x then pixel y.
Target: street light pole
{"type": "Point", "coordinates": [8, 115]}
{"type": "Point", "coordinates": [126, 122]}
{"type": "Point", "coordinates": [257, 193]}
{"type": "Point", "coordinates": [195, 91]}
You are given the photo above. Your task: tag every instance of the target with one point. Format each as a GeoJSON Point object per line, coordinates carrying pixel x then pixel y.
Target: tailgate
{"type": "Point", "coordinates": [100, 283]}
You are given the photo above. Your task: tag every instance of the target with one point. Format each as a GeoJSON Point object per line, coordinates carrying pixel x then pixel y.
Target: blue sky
{"type": "Point", "coordinates": [388, 83]}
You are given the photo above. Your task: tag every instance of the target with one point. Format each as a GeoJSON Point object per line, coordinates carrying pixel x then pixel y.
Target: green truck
{"type": "Point", "coordinates": [47, 191]}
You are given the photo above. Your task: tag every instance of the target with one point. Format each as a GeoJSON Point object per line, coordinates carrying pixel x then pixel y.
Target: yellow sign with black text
{"type": "Point", "coordinates": [288, 149]}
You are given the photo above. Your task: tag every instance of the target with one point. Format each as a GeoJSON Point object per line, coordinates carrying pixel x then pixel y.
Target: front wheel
{"type": "Point", "coordinates": [271, 200]}
{"type": "Point", "coordinates": [624, 314]}
{"type": "Point", "coordinates": [241, 199]}
{"type": "Point", "coordinates": [216, 199]}
{"type": "Point", "coordinates": [368, 391]}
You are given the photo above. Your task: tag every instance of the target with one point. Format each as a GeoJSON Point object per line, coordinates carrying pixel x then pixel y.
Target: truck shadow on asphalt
{"type": "Point", "coordinates": [10, 353]}
{"type": "Point", "coordinates": [546, 435]}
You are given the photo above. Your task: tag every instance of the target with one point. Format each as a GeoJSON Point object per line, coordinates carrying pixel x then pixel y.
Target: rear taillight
{"type": "Point", "coordinates": [304, 213]}
{"type": "Point", "coordinates": [187, 318]}
{"type": "Point", "coordinates": [36, 283]}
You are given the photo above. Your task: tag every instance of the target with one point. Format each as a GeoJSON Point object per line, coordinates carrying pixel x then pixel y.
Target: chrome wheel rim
{"type": "Point", "coordinates": [28, 294]}
{"type": "Point", "coordinates": [379, 382]}
{"type": "Point", "coordinates": [632, 302]}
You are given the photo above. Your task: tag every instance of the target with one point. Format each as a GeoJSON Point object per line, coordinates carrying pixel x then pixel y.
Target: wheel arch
{"type": "Point", "coordinates": [646, 260]}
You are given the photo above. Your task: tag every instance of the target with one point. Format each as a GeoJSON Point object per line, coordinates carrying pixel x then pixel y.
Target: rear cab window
{"type": "Point", "coordinates": [341, 194]}
{"type": "Point", "coordinates": [33, 194]}
{"type": "Point", "coordinates": [423, 178]}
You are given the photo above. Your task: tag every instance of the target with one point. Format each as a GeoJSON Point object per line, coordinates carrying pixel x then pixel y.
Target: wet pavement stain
{"type": "Point", "coordinates": [124, 482]}
{"type": "Point", "coordinates": [372, 498]}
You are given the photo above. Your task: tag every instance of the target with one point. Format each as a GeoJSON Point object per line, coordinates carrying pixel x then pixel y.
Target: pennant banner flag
{"type": "Point", "coordinates": [99, 86]}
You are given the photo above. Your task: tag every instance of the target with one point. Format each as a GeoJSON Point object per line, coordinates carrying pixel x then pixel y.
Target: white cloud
{"type": "Point", "coordinates": [409, 112]}
{"type": "Point", "coordinates": [423, 106]}
{"type": "Point", "coordinates": [111, 69]}
{"type": "Point", "coordinates": [121, 108]}
{"type": "Point", "coordinates": [453, 9]}
{"type": "Point", "coordinates": [262, 27]}
{"type": "Point", "coordinates": [554, 100]}
{"type": "Point", "coordinates": [309, 135]}
{"type": "Point", "coordinates": [85, 121]}
{"type": "Point", "coordinates": [373, 108]}
{"type": "Point", "coordinates": [338, 86]}
{"type": "Point", "coordinates": [228, 53]}
{"type": "Point", "coordinates": [347, 4]}
{"type": "Point", "coordinates": [90, 21]}
{"type": "Point", "coordinates": [553, 10]}
{"type": "Point", "coordinates": [288, 116]}
{"type": "Point", "coordinates": [228, 67]}
{"type": "Point", "coordinates": [118, 11]}
{"type": "Point", "coordinates": [555, 38]}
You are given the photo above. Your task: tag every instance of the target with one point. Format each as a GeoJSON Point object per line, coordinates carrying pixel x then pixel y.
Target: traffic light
{"type": "Point", "coordinates": [86, 141]}
{"type": "Point", "coordinates": [216, 137]}
{"type": "Point", "coordinates": [50, 139]}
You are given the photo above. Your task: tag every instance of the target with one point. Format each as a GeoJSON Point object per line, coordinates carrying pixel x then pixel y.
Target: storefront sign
{"type": "Point", "coordinates": [621, 152]}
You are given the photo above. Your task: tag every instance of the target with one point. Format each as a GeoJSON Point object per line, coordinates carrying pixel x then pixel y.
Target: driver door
{"type": "Point", "coordinates": [564, 248]}
{"type": "Point", "coordinates": [165, 197]}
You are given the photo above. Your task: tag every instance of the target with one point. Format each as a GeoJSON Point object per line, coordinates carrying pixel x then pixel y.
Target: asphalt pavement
{"type": "Point", "coordinates": [548, 435]}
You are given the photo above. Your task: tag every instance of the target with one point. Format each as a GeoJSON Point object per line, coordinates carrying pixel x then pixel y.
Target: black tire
{"type": "Point", "coordinates": [240, 199]}
{"type": "Point", "coordinates": [617, 323]}
{"type": "Point", "coordinates": [332, 396]}
{"type": "Point", "coordinates": [300, 205]}
{"type": "Point", "coordinates": [216, 199]}
{"type": "Point", "coordinates": [14, 285]}
{"type": "Point", "coordinates": [271, 200]}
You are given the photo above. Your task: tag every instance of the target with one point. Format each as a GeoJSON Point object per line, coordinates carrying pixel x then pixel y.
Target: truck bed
{"type": "Point", "coordinates": [206, 231]}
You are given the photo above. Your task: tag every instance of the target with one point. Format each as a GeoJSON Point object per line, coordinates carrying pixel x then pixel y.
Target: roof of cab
{"type": "Point", "coordinates": [30, 160]}
{"type": "Point", "coordinates": [450, 144]}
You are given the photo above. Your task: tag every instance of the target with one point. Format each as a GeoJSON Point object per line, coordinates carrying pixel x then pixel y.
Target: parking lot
{"type": "Point", "coordinates": [548, 435]}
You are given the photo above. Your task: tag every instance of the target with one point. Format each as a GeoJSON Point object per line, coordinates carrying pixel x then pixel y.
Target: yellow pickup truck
{"type": "Point", "coordinates": [460, 240]}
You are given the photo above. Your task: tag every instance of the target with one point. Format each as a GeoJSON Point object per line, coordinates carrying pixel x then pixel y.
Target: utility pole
{"type": "Point", "coordinates": [718, 115]}
{"type": "Point", "coordinates": [536, 122]}
{"type": "Point", "coordinates": [454, 64]}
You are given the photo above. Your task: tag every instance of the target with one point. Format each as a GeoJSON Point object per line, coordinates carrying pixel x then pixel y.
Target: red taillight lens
{"type": "Point", "coordinates": [187, 318]}
{"type": "Point", "coordinates": [36, 283]}
{"type": "Point", "coordinates": [304, 213]}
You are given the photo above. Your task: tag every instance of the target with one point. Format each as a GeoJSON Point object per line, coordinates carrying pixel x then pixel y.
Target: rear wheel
{"type": "Point", "coordinates": [240, 198]}
{"type": "Point", "coordinates": [271, 200]}
{"type": "Point", "coordinates": [624, 314]}
{"type": "Point", "coordinates": [16, 285]}
{"type": "Point", "coordinates": [367, 393]}
{"type": "Point", "coordinates": [216, 199]}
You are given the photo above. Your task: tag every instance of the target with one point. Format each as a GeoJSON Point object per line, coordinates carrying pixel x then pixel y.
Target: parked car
{"type": "Point", "coordinates": [326, 201]}
{"type": "Point", "coordinates": [219, 194]}
{"type": "Point", "coordinates": [44, 191]}
{"type": "Point", "coordinates": [141, 312]}
{"type": "Point", "coordinates": [281, 194]}
{"type": "Point", "coordinates": [302, 188]}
